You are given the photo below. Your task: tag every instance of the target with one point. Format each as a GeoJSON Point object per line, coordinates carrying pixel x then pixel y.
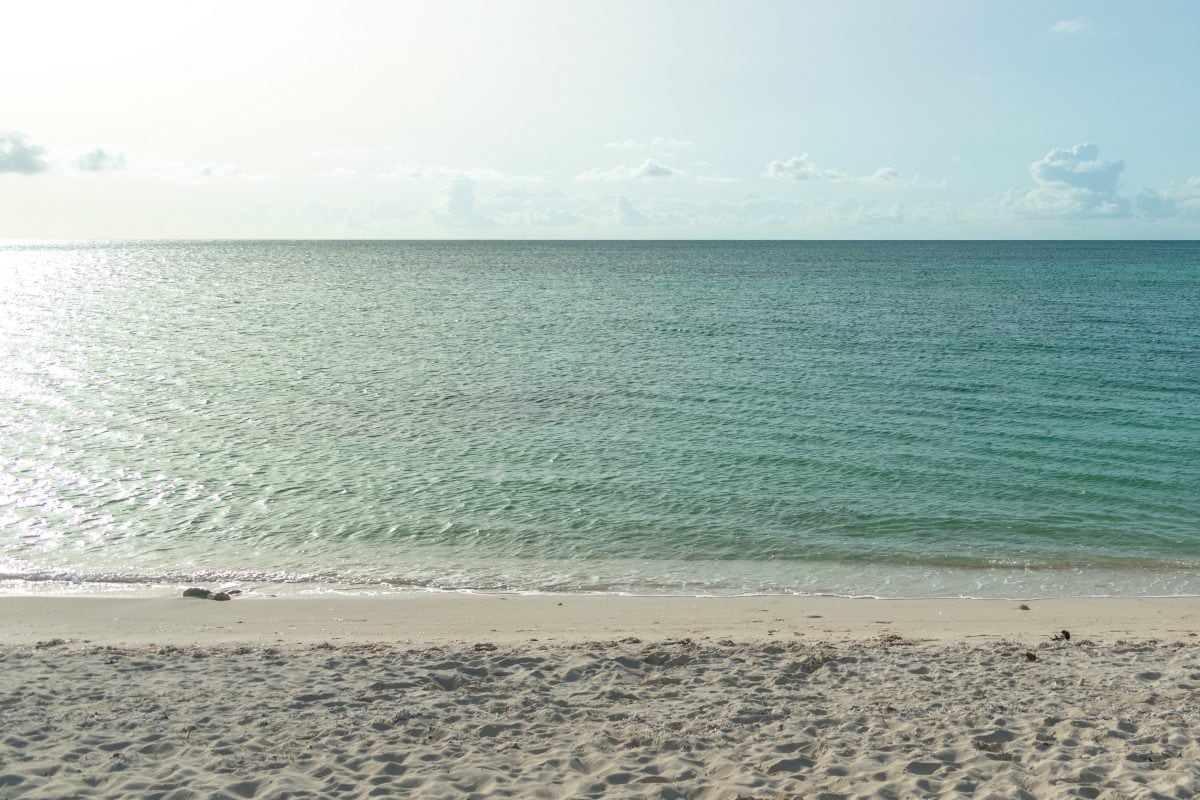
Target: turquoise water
{"type": "Point", "coordinates": [884, 418]}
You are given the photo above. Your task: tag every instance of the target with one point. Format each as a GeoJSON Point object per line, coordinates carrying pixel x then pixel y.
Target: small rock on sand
{"type": "Point", "coordinates": [205, 594]}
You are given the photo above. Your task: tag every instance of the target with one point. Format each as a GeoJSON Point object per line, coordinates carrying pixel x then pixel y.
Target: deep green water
{"type": "Point", "coordinates": [890, 418]}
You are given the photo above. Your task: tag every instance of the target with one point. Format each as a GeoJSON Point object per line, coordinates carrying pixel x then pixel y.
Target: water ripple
{"type": "Point", "coordinates": [856, 418]}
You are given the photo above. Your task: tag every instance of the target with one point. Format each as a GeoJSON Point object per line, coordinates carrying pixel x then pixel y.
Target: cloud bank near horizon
{"type": "Point", "coordinates": [1071, 183]}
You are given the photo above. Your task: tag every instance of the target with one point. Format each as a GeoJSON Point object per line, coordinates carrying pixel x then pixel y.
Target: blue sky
{"type": "Point", "coordinates": [600, 120]}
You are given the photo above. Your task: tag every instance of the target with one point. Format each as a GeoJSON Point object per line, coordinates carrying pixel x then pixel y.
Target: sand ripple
{"type": "Point", "coordinates": [879, 719]}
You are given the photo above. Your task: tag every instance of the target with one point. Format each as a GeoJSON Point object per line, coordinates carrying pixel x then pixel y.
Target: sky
{"type": "Point", "coordinates": [856, 119]}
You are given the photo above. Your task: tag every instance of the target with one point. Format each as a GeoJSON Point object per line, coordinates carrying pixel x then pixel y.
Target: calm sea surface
{"type": "Point", "coordinates": [885, 418]}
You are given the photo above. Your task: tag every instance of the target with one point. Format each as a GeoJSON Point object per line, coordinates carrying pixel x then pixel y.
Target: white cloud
{"type": "Point", "coordinates": [1169, 201]}
{"type": "Point", "coordinates": [1072, 182]}
{"type": "Point", "coordinates": [454, 207]}
{"type": "Point", "coordinates": [800, 168]}
{"type": "Point", "coordinates": [624, 214]}
{"type": "Point", "coordinates": [19, 157]}
{"type": "Point", "coordinates": [227, 172]}
{"type": "Point", "coordinates": [1071, 27]}
{"type": "Point", "coordinates": [99, 160]}
{"type": "Point", "coordinates": [887, 176]}
{"type": "Point", "coordinates": [411, 172]}
{"type": "Point", "coordinates": [1065, 202]}
{"type": "Point", "coordinates": [717, 179]}
{"type": "Point", "coordinates": [1079, 166]}
{"type": "Point", "coordinates": [653, 169]}
{"type": "Point", "coordinates": [1155, 204]}
{"type": "Point", "coordinates": [647, 169]}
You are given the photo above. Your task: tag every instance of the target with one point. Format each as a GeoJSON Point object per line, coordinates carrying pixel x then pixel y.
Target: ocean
{"type": "Point", "coordinates": [894, 419]}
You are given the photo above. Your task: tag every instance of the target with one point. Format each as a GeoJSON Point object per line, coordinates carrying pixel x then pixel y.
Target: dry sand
{"type": "Point", "coordinates": [459, 696]}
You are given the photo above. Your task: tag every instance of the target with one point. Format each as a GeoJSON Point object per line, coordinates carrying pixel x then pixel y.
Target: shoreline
{"type": "Point", "coordinates": [641, 578]}
{"type": "Point", "coordinates": [438, 618]}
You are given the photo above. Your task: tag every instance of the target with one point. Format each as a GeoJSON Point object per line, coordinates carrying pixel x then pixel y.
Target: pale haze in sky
{"type": "Point", "coordinates": [539, 119]}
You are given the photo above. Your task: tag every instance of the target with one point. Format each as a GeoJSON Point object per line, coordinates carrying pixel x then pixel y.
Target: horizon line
{"type": "Point", "coordinates": [483, 240]}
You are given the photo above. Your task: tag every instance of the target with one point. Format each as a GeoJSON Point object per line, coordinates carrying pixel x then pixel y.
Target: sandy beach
{"type": "Point", "coordinates": [575, 696]}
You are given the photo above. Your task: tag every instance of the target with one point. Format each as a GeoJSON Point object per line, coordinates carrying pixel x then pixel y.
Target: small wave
{"type": "Point", "coordinates": [639, 578]}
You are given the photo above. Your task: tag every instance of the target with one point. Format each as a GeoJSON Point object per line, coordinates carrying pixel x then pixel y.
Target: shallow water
{"type": "Point", "coordinates": [885, 418]}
